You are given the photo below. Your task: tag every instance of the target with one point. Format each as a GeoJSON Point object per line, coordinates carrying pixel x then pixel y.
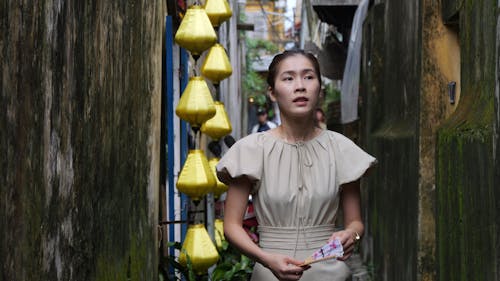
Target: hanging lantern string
{"type": "Point", "coordinates": [217, 91]}
{"type": "Point", "coordinates": [197, 137]}
{"type": "Point", "coordinates": [191, 218]}
{"type": "Point", "coordinates": [195, 57]}
{"type": "Point", "coordinates": [194, 216]}
{"type": "Point", "coordinates": [195, 65]}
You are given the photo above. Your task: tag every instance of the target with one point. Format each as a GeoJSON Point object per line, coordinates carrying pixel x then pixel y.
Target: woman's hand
{"type": "Point", "coordinates": [348, 238]}
{"type": "Point", "coordinates": [284, 267]}
{"type": "Point", "coordinates": [350, 198]}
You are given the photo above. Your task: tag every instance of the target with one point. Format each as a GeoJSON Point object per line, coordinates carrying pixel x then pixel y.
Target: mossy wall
{"type": "Point", "coordinates": [80, 119]}
{"type": "Point", "coordinates": [496, 147]}
{"type": "Point", "coordinates": [466, 169]}
{"type": "Point", "coordinates": [390, 91]}
{"type": "Point", "coordinates": [450, 9]}
{"type": "Point", "coordinates": [432, 203]}
{"type": "Point", "coordinates": [440, 67]}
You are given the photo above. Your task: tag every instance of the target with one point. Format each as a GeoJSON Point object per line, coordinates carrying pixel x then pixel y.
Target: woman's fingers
{"type": "Point", "coordinates": [348, 243]}
{"type": "Point", "coordinates": [292, 275]}
{"type": "Point", "coordinates": [286, 268]}
{"type": "Point", "coordinates": [348, 250]}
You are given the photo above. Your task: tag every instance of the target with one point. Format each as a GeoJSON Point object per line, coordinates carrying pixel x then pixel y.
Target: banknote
{"type": "Point", "coordinates": [331, 250]}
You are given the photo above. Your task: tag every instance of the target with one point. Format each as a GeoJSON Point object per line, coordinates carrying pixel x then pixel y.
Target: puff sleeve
{"type": "Point", "coordinates": [244, 158]}
{"type": "Point", "coordinates": [350, 160]}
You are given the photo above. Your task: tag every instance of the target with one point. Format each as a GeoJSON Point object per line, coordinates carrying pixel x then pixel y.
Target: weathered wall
{"type": "Point", "coordinates": [80, 118]}
{"type": "Point", "coordinates": [431, 205]}
{"type": "Point", "coordinates": [391, 75]}
{"type": "Point", "coordinates": [440, 67]}
{"type": "Point", "coordinates": [437, 173]}
{"type": "Point", "coordinates": [496, 148]}
{"type": "Point", "coordinates": [467, 207]}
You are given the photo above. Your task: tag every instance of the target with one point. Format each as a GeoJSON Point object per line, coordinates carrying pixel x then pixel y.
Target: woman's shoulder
{"type": "Point", "coordinates": [339, 141]}
{"type": "Point", "coordinates": [250, 139]}
{"type": "Point", "coordinates": [253, 141]}
{"type": "Point", "coordinates": [338, 137]}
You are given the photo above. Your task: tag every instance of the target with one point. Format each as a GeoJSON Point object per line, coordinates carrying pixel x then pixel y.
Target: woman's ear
{"type": "Point", "coordinates": [270, 93]}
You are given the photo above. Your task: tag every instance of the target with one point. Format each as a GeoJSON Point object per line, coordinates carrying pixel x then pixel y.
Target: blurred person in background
{"type": "Point", "coordinates": [320, 118]}
{"type": "Point", "coordinates": [263, 123]}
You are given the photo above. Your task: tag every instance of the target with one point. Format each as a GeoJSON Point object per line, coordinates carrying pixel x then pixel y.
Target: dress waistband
{"type": "Point", "coordinates": [287, 238]}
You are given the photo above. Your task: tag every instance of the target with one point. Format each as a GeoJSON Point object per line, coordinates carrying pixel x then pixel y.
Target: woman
{"type": "Point", "coordinates": [298, 174]}
{"type": "Point", "coordinates": [320, 118]}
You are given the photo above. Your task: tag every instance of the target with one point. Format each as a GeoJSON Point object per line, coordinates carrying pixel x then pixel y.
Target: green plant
{"type": "Point", "coordinates": [331, 93]}
{"type": "Point", "coordinates": [187, 272]}
{"type": "Point", "coordinates": [232, 266]}
{"type": "Point", "coordinates": [370, 268]}
{"type": "Point", "coordinates": [254, 83]}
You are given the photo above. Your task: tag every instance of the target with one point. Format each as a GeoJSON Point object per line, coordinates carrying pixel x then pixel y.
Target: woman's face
{"type": "Point", "coordinates": [296, 88]}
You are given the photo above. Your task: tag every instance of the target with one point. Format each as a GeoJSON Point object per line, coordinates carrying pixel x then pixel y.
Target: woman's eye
{"type": "Point", "coordinates": [309, 77]}
{"type": "Point", "coordinates": [287, 78]}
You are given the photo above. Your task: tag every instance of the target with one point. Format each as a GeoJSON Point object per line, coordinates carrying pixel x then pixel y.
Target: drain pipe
{"type": "Point", "coordinates": [169, 109]}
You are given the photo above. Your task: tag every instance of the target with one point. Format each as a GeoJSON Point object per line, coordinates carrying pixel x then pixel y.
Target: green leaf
{"type": "Point", "coordinates": [176, 245]}
{"type": "Point", "coordinates": [225, 245]}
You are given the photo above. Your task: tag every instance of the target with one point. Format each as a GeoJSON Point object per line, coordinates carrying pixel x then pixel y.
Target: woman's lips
{"type": "Point", "coordinates": [301, 99]}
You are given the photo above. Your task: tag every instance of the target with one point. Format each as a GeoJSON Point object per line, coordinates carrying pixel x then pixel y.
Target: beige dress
{"type": "Point", "coordinates": [296, 193]}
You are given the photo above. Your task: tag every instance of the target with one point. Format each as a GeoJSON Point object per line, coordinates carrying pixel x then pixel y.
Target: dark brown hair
{"type": "Point", "coordinates": [273, 67]}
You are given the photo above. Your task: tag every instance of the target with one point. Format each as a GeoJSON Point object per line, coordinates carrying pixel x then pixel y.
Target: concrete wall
{"type": "Point", "coordinates": [80, 119]}
{"type": "Point", "coordinates": [431, 204]}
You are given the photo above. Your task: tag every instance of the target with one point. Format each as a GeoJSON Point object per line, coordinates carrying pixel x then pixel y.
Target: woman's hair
{"type": "Point", "coordinates": [273, 67]}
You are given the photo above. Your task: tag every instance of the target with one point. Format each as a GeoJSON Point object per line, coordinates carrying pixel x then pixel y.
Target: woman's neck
{"type": "Point", "coordinates": [297, 132]}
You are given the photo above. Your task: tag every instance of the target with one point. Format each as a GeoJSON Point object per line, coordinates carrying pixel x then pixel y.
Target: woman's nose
{"type": "Point", "coordinates": [299, 85]}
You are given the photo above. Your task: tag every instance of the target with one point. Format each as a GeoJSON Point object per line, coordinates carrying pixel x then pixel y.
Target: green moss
{"type": "Point", "coordinates": [395, 130]}
{"type": "Point", "coordinates": [138, 259]}
{"type": "Point", "coordinates": [107, 270]}
{"type": "Point", "coordinates": [450, 205]}
{"type": "Point", "coordinates": [134, 262]}
{"type": "Point", "coordinates": [462, 151]}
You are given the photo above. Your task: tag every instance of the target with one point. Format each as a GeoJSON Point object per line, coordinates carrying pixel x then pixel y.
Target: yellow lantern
{"type": "Point", "coordinates": [196, 177]}
{"type": "Point", "coordinates": [219, 233]}
{"type": "Point", "coordinates": [218, 11]}
{"type": "Point", "coordinates": [196, 33]}
{"type": "Point", "coordinates": [219, 125]}
{"type": "Point", "coordinates": [200, 249]}
{"type": "Point", "coordinates": [196, 104]}
{"type": "Point", "coordinates": [216, 66]}
{"type": "Point", "coordinates": [220, 187]}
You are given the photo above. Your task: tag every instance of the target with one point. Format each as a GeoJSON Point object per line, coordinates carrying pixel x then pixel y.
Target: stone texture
{"type": "Point", "coordinates": [432, 210]}
{"type": "Point", "coordinates": [465, 192]}
{"type": "Point", "coordinates": [390, 98]}
{"type": "Point", "coordinates": [80, 102]}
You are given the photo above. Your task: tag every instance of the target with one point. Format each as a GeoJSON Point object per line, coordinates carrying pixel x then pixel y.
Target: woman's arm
{"type": "Point", "coordinates": [354, 228]}
{"type": "Point", "coordinates": [283, 267]}
{"type": "Point", "coordinates": [235, 208]}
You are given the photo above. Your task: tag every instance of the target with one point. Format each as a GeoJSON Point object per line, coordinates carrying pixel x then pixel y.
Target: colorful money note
{"type": "Point", "coordinates": [330, 250]}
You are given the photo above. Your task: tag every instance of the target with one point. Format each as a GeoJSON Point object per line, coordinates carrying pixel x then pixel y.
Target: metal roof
{"type": "Point", "coordinates": [337, 12]}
